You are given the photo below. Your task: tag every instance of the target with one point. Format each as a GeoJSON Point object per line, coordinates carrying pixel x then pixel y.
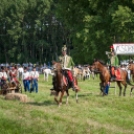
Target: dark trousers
{"type": "Point", "coordinates": [107, 88]}
{"type": "Point", "coordinates": [26, 85]}
{"type": "Point", "coordinates": [2, 83]}
{"type": "Point", "coordinates": [35, 85]}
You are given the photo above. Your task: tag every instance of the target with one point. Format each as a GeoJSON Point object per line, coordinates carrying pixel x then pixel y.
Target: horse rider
{"type": "Point", "coordinates": [67, 64]}
{"type": "Point", "coordinates": [114, 63]}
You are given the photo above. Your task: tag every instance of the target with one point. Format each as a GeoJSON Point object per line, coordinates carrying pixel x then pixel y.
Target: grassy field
{"type": "Point", "coordinates": [94, 114]}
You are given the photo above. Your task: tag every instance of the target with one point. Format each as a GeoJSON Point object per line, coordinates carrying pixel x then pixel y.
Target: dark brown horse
{"type": "Point", "coordinates": [61, 84]}
{"type": "Point", "coordinates": [105, 77]}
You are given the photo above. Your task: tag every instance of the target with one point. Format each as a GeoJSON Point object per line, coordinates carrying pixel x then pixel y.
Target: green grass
{"type": "Point", "coordinates": [94, 114]}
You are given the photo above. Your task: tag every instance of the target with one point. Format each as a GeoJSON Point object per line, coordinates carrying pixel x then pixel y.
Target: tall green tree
{"type": "Point", "coordinates": [96, 25]}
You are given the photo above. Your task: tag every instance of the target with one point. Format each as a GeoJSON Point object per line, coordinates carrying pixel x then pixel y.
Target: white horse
{"type": "Point", "coordinates": [87, 73]}
{"type": "Point", "coordinates": [47, 72]}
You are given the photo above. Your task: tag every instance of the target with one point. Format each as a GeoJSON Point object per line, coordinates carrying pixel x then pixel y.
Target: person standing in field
{"type": "Point", "coordinates": [20, 71]}
{"type": "Point", "coordinates": [3, 76]}
{"type": "Point", "coordinates": [34, 79]}
{"type": "Point", "coordinates": [25, 78]}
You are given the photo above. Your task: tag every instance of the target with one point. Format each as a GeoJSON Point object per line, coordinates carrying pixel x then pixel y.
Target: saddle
{"type": "Point", "coordinates": [116, 72]}
{"type": "Point", "coordinates": [68, 83]}
{"type": "Point", "coordinates": [66, 78]}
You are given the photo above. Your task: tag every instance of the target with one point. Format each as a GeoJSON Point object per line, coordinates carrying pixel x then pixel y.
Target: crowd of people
{"type": "Point", "coordinates": [15, 74]}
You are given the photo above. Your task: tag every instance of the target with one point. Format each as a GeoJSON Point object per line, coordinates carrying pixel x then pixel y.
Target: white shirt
{"type": "Point", "coordinates": [21, 70]}
{"type": "Point", "coordinates": [30, 74]}
{"type": "Point", "coordinates": [3, 74]}
{"type": "Point", "coordinates": [65, 58]}
{"type": "Point", "coordinates": [25, 76]}
{"type": "Point", "coordinates": [35, 74]}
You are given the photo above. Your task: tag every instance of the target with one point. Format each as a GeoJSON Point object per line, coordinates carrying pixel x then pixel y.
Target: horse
{"type": "Point", "coordinates": [61, 84]}
{"type": "Point", "coordinates": [131, 68]}
{"type": "Point", "coordinates": [105, 77]}
{"type": "Point", "coordinates": [78, 73]}
{"type": "Point", "coordinates": [93, 74]}
{"type": "Point", "coordinates": [47, 72]}
{"type": "Point", "coordinates": [86, 73]}
{"type": "Point", "coordinates": [82, 73]}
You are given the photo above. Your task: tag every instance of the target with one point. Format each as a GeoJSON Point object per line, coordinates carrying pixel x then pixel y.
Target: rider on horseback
{"type": "Point", "coordinates": [114, 63]}
{"type": "Point", "coordinates": [67, 64]}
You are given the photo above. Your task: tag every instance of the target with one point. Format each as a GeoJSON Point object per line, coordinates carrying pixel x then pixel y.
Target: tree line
{"type": "Point", "coordinates": [35, 31]}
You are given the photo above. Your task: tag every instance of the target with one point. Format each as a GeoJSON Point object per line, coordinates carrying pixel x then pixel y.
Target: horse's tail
{"type": "Point", "coordinates": [128, 81]}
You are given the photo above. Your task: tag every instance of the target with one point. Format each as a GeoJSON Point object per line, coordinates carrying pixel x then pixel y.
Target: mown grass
{"type": "Point", "coordinates": [94, 114]}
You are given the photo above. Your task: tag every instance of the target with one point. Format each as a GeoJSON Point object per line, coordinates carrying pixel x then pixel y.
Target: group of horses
{"type": "Point", "coordinates": [97, 66]}
{"type": "Point", "coordinates": [81, 73]}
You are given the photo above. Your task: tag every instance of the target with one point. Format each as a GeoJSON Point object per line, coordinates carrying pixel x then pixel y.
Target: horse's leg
{"type": "Point", "coordinates": [133, 77]}
{"type": "Point", "coordinates": [93, 75]}
{"type": "Point", "coordinates": [56, 97]}
{"type": "Point", "coordinates": [67, 97]}
{"type": "Point", "coordinates": [44, 76]}
{"type": "Point", "coordinates": [104, 88]}
{"type": "Point", "coordinates": [125, 86]}
{"type": "Point", "coordinates": [47, 77]}
{"type": "Point", "coordinates": [61, 96]}
{"type": "Point", "coordinates": [101, 88]}
{"type": "Point", "coordinates": [131, 91]}
{"type": "Point", "coordinates": [120, 87]}
{"type": "Point", "coordinates": [76, 96]}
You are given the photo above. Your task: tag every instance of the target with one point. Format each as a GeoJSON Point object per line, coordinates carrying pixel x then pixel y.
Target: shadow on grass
{"type": "Point", "coordinates": [85, 94]}
{"type": "Point", "coordinates": [45, 103]}
{"type": "Point", "coordinates": [90, 94]}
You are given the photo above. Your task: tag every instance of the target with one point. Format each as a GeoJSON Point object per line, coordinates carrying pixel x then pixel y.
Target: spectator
{"type": "Point", "coordinates": [35, 78]}
{"type": "Point", "coordinates": [25, 78]}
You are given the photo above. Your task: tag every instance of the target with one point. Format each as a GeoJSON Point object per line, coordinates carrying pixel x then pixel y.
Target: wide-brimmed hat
{"type": "Point", "coordinates": [64, 48]}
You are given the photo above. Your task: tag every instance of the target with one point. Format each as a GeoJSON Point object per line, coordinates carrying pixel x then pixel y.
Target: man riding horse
{"type": "Point", "coordinates": [67, 64]}
{"type": "Point", "coordinates": [114, 64]}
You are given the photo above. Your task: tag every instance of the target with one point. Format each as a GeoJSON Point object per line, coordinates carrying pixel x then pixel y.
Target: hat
{"type": "Point", "coordinates": [64, 48]}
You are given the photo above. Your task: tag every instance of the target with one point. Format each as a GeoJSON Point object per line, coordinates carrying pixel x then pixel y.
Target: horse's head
{"type": "Point", "coordinates": [57, 66]}
{"type": "Point", "coordinates": [97, 65]}
{"type": "Point", "coordinates": [131, 66]}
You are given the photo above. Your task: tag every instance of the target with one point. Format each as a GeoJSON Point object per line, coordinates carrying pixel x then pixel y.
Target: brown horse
{"type": "Point", "coordinates": [61, 84]}
{"type": "Point", "coordinates": [105, 77]}
{"type": "Point", "coordinates": [131, 68]}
